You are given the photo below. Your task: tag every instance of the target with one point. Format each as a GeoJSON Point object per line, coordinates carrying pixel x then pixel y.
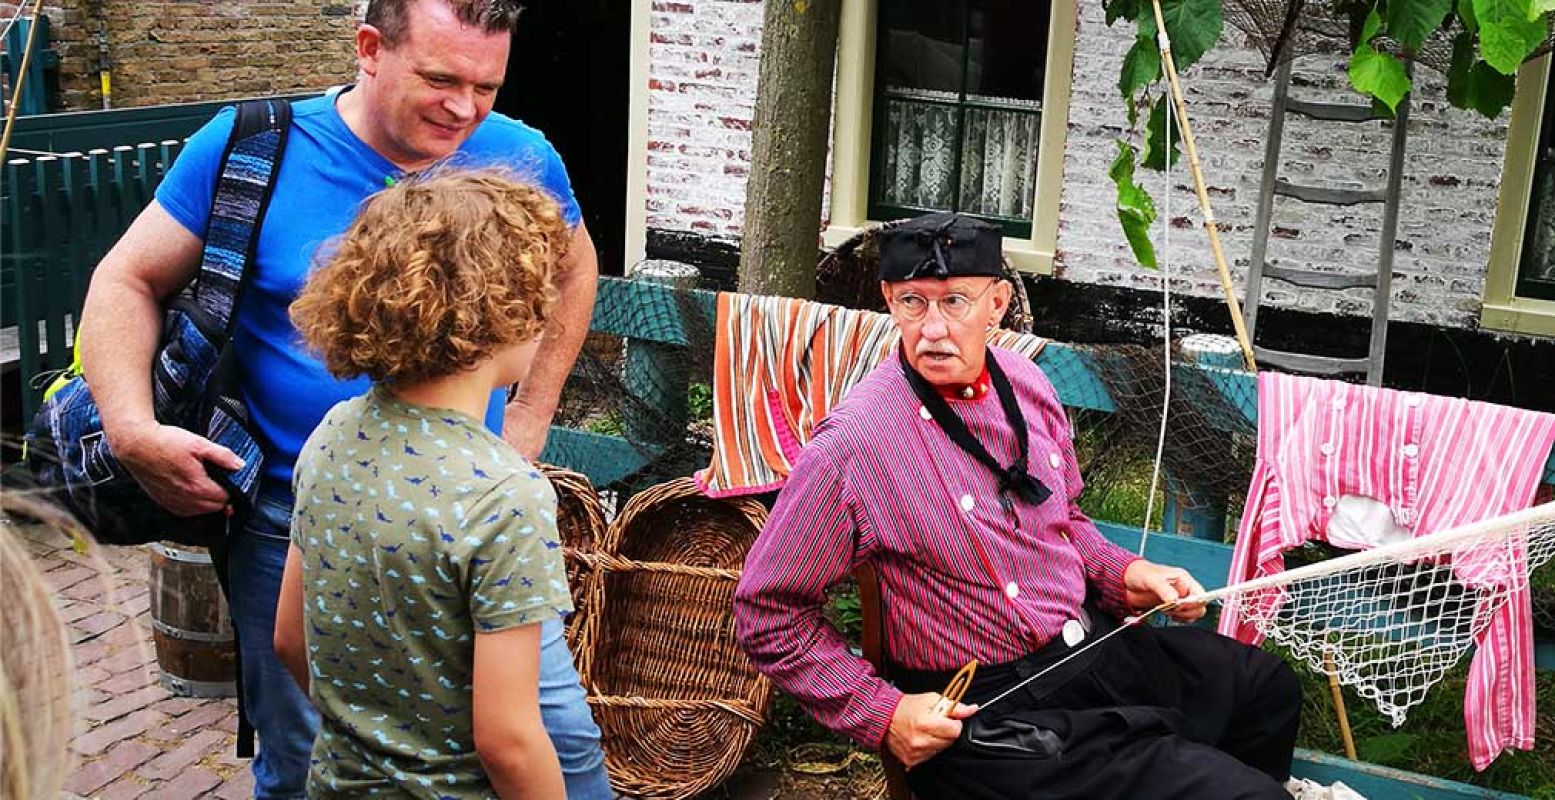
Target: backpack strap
{"type": "Point", "coordinates": [245, 183]}
{"type": "Point", "coordinates": [243, 189]}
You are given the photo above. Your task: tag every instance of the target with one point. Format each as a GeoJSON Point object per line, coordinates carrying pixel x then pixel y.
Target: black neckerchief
{"type": "Point", "coordinates": [1014, 478]}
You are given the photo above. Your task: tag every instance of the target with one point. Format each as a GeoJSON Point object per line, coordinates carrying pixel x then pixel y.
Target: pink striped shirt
{"type": "Point", "coordinates": [1437, 463]}
{"type": "Point", "coordinates": [961, 576]}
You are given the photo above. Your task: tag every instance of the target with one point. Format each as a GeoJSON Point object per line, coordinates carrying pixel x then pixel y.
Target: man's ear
{"type": "Point", "coordinates": [1002, 294]}
{"type": "Point", "coordinates": [369, 48]}
{"type": "Point", "coordinates": [885, 291]}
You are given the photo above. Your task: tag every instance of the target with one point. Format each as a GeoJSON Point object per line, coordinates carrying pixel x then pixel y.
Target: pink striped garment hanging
{"type": "Point", "coordinates": [1436, 463]}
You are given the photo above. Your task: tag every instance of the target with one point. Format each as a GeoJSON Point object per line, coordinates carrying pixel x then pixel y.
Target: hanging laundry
{"type": "Point", "coordinates": [1358, 466]}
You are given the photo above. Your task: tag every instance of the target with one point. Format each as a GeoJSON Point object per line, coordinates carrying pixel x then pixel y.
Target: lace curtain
{"type": "Point", "coordinates": [998, 154]}
{"type": "Point", "coordinates": [1539, 261]}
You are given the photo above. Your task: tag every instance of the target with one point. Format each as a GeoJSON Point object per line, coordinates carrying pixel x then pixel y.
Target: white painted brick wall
{"type": "Point", "coordinates": [705, 58]}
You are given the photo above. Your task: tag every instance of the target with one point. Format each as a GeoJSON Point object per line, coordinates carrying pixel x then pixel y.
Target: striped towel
{"type": "Point", "coordinates": [779, 366]}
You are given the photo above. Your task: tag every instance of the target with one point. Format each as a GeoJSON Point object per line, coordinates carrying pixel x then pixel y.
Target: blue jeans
{"type": "Point", "coordinates": [286, 721]}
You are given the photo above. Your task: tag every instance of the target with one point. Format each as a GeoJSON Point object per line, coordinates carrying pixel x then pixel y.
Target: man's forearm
{"type": "Point", "coordinates": [567, 328]}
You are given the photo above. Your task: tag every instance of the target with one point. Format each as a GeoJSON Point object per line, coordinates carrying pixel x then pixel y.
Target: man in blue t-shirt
{"type": "Point", "coordinates": [429, 72]}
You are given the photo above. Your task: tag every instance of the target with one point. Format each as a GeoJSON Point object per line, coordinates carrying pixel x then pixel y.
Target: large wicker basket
{"type": "Point", "coordinates": [673, 693]}
{"type": "Point", "coordinates": [580, 521]}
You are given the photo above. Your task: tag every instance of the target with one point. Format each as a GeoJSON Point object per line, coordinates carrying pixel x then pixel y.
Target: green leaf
{"type": "Point", "coordinates": [1141, 66]}
{"type": "Point", "coordinates": [1193, 26]}
{"type": "Point", "coordinates": [1411, 21]}
{"type": "Point", "coordinates": [1156, 155]}
{"type": "Point", "coordinates": [1474, 85]}
{"type": "Point", "coordinates": [1490, 92]}
{"type": "Point", "coordinates": [1136, 211]}
{"type": "Point", "coordinates": [1458, 90]}
{"type": "Point", "coordinates": [1466, 14]}
{"type": "Point", "coordinates": [1122, 9]}
{"type": "Point", "coordinates": [1373, 24]}
{"type": "Point", "coordinates": [1506, 35]}
{"type": "Point", "coordinates": [1379, 75]}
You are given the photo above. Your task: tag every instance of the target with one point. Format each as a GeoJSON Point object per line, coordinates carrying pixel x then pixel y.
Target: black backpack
{"type": "Point", "coordinates": [193, 374]}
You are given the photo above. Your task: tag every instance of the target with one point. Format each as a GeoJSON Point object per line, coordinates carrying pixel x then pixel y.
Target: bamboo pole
{"type": "Point", "coordinates": [1170, 66]}
{"type": "Point", "coordinates": [21, 80]}
{"type": "Point", "coordinates": [1344, 718]}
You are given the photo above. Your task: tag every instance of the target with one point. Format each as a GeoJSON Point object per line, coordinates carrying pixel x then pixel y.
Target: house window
{"type": "Point", "coordinates": [958, 109]}
{"type": "Point", "coordinates": [1520, 279]}
{"type": "Point", "coordinates": [1536, 267]}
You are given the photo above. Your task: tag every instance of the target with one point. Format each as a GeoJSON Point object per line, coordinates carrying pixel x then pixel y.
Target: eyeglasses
{"type": "Point", "coordinates": [956, 306]}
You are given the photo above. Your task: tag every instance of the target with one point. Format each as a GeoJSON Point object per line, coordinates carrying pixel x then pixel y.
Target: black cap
{"type": "Point", "coordinates": [940, 246]}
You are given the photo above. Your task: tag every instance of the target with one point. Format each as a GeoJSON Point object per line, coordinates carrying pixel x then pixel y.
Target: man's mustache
{"type": "Point", "coordinates": [942, 349]}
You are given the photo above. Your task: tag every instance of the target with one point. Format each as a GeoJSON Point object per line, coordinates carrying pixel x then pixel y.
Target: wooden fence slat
{"type": "Point", "coordinates": [123, 182]}
{"type": "Point", "coordinates": [78, 216]}
{"type": "Point", "coordinates": [105, 225]}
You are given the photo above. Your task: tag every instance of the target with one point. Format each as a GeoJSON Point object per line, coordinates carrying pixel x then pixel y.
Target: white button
{"type": "Point", "coordinates": [967, 503]}
{"type": "Point", "coordinates": [1405, 516]}
{"type": "Point", "coordinates": [923, 411]}
{"type": "Point", "coordinates": [1412, 400]}
{"type": "Point", "coordinates": [1074, 632]}
{"type": "Point", "coordinates": [1326, 448]}
{"type": "Point", "coordinates": [1011, 590]}
{"type": "Point", "coordinates": [1330, 501]}
{"type": "Point", "coordinates": [1411, 450]}
{"type": "Point", "coordinates": [1054, 460]}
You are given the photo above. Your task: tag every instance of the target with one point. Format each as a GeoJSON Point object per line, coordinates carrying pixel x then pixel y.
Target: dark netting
{"type": "Point", "coordinates": [1114, 396]}
{"type": "Point", "coordinates": [1286, 29]}
{"type": "Point", "coordinates": [639, 399]}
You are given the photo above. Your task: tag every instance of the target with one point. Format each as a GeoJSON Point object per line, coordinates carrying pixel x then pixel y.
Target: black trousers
{"type": "Point", "coordinates": [1180, 713]}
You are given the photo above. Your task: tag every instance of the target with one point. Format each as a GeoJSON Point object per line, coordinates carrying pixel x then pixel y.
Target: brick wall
{"type": "Point", "coordinates": [1452, 168]}
{"type": "Point", "coordinates": [703, 60]}
{"type": "Point", "coordinates": [169, 51]}
{"type": "Point", "coordinates": [703, 66]}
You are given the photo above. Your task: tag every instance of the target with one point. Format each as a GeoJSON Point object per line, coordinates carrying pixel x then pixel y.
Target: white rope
{"type": "Point", "coordinates": [1166, 315]}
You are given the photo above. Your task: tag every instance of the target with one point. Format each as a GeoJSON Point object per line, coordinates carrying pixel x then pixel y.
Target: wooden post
{"type": "Point", "coordinates": [1188, 509]}
{"type": "Point", "coordinates": [657, 374]}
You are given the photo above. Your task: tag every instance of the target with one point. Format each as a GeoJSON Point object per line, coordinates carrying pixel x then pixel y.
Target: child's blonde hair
{"type": "Point", "coordinates": [37, 683]}
{"type": "Point", "coordinates": [435, 274]}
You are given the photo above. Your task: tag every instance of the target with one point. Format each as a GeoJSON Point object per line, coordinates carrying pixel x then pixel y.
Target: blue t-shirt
{"type": "Point", "coordinates": [326, 173]}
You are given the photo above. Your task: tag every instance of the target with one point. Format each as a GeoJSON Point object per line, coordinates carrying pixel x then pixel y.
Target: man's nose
{"type": "Point", "coordinates": [460, 104]}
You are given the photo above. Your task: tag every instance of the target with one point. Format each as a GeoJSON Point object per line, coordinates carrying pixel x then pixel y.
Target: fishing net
{"type": "Point", "coordinates": [1286, 29]}
{"type": "Point", "coordinates": [639, 400]}
{"type": "Point", "coordinates": [1394, 619]}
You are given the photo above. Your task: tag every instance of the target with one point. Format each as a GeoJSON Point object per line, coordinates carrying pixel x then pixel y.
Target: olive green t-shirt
{"type": "Point", "coordinates": [419, 528]}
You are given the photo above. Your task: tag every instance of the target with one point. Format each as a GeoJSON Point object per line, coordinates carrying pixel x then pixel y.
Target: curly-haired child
{"type": "Point", "coordinates": [424, 549]}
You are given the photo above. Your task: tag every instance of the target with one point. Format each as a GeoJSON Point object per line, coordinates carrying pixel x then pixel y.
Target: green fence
{"type": "Point", "coordinates": [61, 215]}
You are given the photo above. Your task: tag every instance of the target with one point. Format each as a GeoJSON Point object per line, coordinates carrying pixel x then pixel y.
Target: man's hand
{"type": "Point", "coordinates": [169, 463]}
{"type": "Point", "coordinates": [918, 732]}
{"type": "Point", "coordinates": [1147, 585]}
{"type": "Point", "coordinates": [525, 429]}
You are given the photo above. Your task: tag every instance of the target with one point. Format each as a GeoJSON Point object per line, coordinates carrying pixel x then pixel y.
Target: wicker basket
{"type": "Point", "coordinates": [580, 521]}
{"type": "Point", "coordinates": [674, 695]}
{"type": "Point", "coordinates": [848, 276]}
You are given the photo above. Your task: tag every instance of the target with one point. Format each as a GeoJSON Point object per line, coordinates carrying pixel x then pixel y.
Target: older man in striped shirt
{"type": "Point", "coordinates": [951, 468]}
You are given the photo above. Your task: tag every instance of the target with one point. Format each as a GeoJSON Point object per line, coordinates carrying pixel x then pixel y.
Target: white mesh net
{"type": "Point", "coordinates": [1393, 620]}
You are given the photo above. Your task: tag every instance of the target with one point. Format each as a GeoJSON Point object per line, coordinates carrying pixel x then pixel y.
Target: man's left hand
{"type": "Point", "coordinates": [1147, 585]}
{"type": "Point", "coordinates": [525, 429]}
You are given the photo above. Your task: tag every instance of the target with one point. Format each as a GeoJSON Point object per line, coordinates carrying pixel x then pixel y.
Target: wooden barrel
{"type": "Point", "coordinates": [189, 624]}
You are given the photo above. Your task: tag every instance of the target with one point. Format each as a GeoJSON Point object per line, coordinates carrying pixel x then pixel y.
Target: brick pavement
{"type": "Point", "coordinates": [134, 739]}
{"type": "Point", "coordinates": [137, 741]}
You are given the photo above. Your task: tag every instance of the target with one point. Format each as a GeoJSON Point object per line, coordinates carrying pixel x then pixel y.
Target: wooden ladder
{"type": "Point", "coordinates": [1380, 281]}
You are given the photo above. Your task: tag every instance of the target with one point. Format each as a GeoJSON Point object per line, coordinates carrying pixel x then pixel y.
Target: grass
{"type": "Point", "coordinates": [1432, 741]}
